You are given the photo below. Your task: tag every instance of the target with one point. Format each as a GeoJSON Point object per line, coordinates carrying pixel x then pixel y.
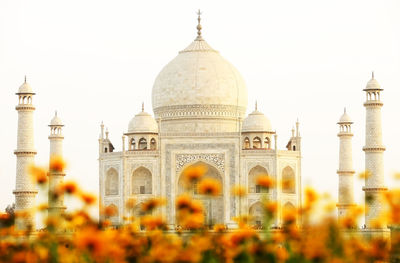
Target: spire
{"type": "Point", "coordinates": [142, 106]}
{"type": "Point", "coordinates": [199, 26]}
{"type": "Point", "coordinates": [55, 113]}
{"type": "Point", "coordinates": [25, 79]}
{"type": "Point", "coordinates": [372, 74]}
{"type": "Point", "coordinates": [256, 105]}
{"type": "Point", "coordinates": [344, 109]}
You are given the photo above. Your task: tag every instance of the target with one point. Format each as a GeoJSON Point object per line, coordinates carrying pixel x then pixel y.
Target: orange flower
{"type": "Point", "coordinates": [151, 204]}
{"type": "Point", "coordinates": [152, 222]}
{"type": "Point", "coordinates": [110, 211]}
{"type": "Point", "coordinates": [89, 199]}
{"type": "Point", "coordinates": [196, 207]}
{"type": "Point", "coordinates": [69, 187]}
{"type": "Point", "coordinates": [183, 202]}
{"type": "Point", "coordinates": [364, 174]}
{"type": "Point", "coordinates": [209, 186]}
{"type": "Point", "coordinates": [194, 172]}
{"type": "Point", "coordinates": [239, 190]}
{"type": "Point", "coordinates": [130, 203]}
{"type": "Point", "coordinates": [271, 207]}
{"type": "Point", "coordinates": [57, 164]}
{"type": "Point", "coordinates": [265, 181]}
{"type": "Point", "coordinates": [91, 241]}
{"type": "Point", "coordinates": [39, 174]}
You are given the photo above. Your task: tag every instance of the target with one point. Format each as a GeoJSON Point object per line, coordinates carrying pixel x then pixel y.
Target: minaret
{"type": "Point", "coordinates": [374, 181]}
{"type": "Point", "coordinates": [56, 177]}
{"type": "Point", "coordinates": [25, 188]}
{"type": "Point", "coordinates": [345, 171]}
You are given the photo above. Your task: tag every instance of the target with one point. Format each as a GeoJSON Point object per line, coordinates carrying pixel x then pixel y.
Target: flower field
{"type": "Point", "coordinates": [308, 234]}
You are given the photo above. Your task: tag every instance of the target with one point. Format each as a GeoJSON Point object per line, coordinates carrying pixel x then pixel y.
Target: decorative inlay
{"type": "Point", "coordinates": [217, 159]}
{"type": "Point", "coordinates": [200, 146]}
{"type": "Point", "coordinates": [199, 110]}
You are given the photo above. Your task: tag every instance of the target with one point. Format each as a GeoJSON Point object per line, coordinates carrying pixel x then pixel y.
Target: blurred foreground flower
{"type": "Point", "coordinates": [39, 174]}
{"type": "Point", "coordinates": [209, 186]}
{"type": "Point", "coordinates": [265, 181]}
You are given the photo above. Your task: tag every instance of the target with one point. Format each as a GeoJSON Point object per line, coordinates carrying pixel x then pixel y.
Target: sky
{"type": "Point", "coordinates": [96, 61]}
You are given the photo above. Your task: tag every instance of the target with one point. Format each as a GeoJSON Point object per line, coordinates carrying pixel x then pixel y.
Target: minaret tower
{"type": "Point", "coordinates": [25, 189]}
{"type": "Point", "coordinates": [56, 177]}
{"type": "Point", "coordinates": [345, 171]}
{"type": "Point", "coordinates": [374, 181]}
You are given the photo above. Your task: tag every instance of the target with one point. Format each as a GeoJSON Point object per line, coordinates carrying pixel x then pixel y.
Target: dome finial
{"type": "Point", "coordinates": [142, 106]}
{"type": "Point", "coordinates": [25, 79]}
{"type": "Point", "coordinates": [256, 105]}
{"type": "Point", "coordinates": [372, 74]}
{"type": "Point", "coordinates": [199, 26]}
{"type": "Point", "coordinates": [344, 109]}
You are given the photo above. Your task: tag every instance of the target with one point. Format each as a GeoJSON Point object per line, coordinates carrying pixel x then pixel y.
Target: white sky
{"type": "Point", "coordinates": [97, 60]}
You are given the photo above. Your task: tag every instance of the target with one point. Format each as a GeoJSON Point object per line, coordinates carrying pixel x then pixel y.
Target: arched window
{"type": "Point", "coordinates": [153, 144]}
{"type": "Point", "coordinates": [141, 181]}
{"type": "Point", "coordinates": [256, 143]}
{"type": "Point", "coordinates": [254, 173]}
{"type": "Point", "coordinates": [214, 207]}
{"type": "Point", "coordinates": [112, 182]}
{"type": "Point", "coordinates": [142, 144]}
{"type": "Point", "coordinates": [288, 212]}
{"type": "Point", "coordinates": [132, 144]}
{"type": "Point", "coordinates": [267, 143]}
{"type": "Point", "coordinates": [288, 180]}
{"type": "Point", "coordinates": [256, 212]}
{"type": "Point", "coordinates": [294, 147]}
{"type": "Point", "coordinates": [246, 143]}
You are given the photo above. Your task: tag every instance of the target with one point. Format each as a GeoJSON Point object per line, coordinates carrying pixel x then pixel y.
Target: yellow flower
{"type": "Point", "coordinates": [194, 172]}
{"type": "Point", "coordinates": [57, 164]}
{"type": "Point", "coordinates": [364, 174]}
{"type": "Point", "coordinates": [265, 181]}
{"type": "Point", "coordinates": [209, 186]}
{"type": "Point", "coordinates": [151, 204]}
{"type": "Point", "coordinates": [69, 187]}
{"type": "Point", "coordinates": [152, 222]}
{"type": "Point", "coordinates": [183, 202]}
{"type": "Point", "coordinates": [87, 198]}
{"type": "Point", "coordinates": [39, 174]}
{"type": "Point", "coordinates": [239, 190]}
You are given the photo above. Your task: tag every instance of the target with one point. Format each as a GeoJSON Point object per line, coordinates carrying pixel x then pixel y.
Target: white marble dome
{"type": "Point", "coordinates": [25, 88]}
{"type": "Point", "coordinates": [143, 123]}
{"type": "Point", "coordinates": [56, 121]}
{"type": "Point", "coordinates": [373, 84]}
{"type": "Point", "coordinates": [256, 122]}
{"type": "Point", "coordinates": [345, 118]}
{"type": "Point", "coordinates": [199, 78]}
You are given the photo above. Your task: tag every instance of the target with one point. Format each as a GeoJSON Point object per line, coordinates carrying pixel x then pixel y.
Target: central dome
{"type": "Point", "coordinates": [199, 83]}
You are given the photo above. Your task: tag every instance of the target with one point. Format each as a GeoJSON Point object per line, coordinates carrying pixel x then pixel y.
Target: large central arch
{"type": "Point", "coordinates": [213, 206]}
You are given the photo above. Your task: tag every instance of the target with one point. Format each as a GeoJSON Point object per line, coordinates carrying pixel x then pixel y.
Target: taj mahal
{"type": "Point", "coordinates": [199, 102]}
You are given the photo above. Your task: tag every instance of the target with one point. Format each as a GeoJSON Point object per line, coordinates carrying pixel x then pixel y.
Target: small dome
{"type": "Point", "coordinates": [345, 118]}
{"type": "Point", "coordinates": [256, 122]}
{"type": "Point", "coordinates": [56, 121]}
{"type": "Point", "coordinates": [25, 88]}
{"type": "Point", "coordinates": [143, 123]}
{"type": "Point", "coordinates": [373, 84]}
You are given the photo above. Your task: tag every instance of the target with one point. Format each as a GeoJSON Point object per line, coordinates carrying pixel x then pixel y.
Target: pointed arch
{"type": "Point", "coordinates": [256, 213]}
{"type": "Point", "coordinates": [132, 144]}
{"type": "Point", "coordinates": [289, 213]}
{"type": "Point", "coordinates": [112, 182]}
{"type": "Point", "coordinates": [141, 181]}
{"type": "Point", "coordinates": [142, 144]}
{"type": "Point", "coordinates": [252, 179]}
{"type": "Point", "coordinates": [288, 180]}
{"type": "Point", "coordinates": [153, 144]}
{"type": "Point", "coordinates": [256, 143]}
{"type": "Point", "coordinates": [267, 143]}
{"type": "Point", "coordinates": [246, 143]}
